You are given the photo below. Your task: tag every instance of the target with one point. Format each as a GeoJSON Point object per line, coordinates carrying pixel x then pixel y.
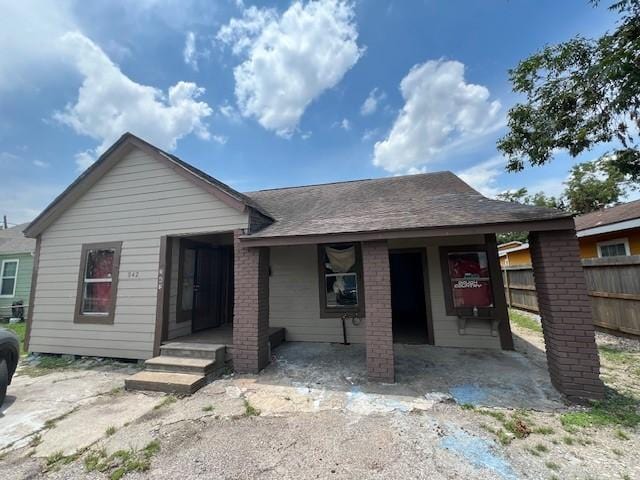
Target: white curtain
{"type": "Point", "coordinates": [341, 261]}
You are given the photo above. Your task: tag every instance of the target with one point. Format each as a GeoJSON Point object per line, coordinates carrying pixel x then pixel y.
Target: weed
{"type": "Point", "coordinates": [615, 409]}
{"type": "Point", "coordinates": [533, 452]}
{"type": "Point", "coordinates": [617, 451]}
{"type": "Point", "coordinates": [497, 415]}
{"type": "Point", "coordinates": [118, 464]}
{"type": "Point", "coordinates": [250, 410]}
{"type": "Point", "coordinates": [503, 438]}
{"type": "Point", "coordinates": [36, 440]}
{"type": "Point", "coordinates": [552, 466]}
{"type": "Point", "coordinates": [116, 391]}
{"type": "Point", "coordinates": [56, 459]}
{"type": "Point", "coordinates": [110, 430]}
{"type": "Point", "coordinates": [621, 435]}
{"type": "Point", "coordinates": [46, 365]}
{"type": "Point", "coordinates": [518, 427]}
{"type": "Point", "coordinates": [541, 448]}
{"type": "Point", "coordinates": [208, 408]}
{"type": "Point", "coordinates": [166, 401]}
{"type": "Point", "coordinates": [568, 440]}
{"type": "Point", "coordinates": [626, 477]}
{"type": "Point", "coordinates": [524, 321]}
{"type": "Point", "coordinates": [543, 430]}
{"type": "Point", "coordinates": [467, 406]}
{"type": "Point", "coordinates": [616, 355]}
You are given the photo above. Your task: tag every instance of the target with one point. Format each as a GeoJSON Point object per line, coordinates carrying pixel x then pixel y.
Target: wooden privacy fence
{"type": "Point", "coordinates": [613, 284]}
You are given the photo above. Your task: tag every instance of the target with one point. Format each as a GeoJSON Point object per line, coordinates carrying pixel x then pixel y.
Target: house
{"type": "Point", "coordinates": [609, 232]}
{"type": "Point", "coordinates": [613, 231]}
{"type": "Point", "coordinates": [514, 254]}
{"type": "Point", "coordinates": [144, 254]}
{"type": "Point", "coordinates": [16, 265]}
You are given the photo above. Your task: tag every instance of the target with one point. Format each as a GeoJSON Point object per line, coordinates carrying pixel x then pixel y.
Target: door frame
{"type": "Point", "coordinates": [425, 281]}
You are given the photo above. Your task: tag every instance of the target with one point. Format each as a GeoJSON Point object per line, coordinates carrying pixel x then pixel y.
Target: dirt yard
{"type": "Point", "coordinates": [311, 414]}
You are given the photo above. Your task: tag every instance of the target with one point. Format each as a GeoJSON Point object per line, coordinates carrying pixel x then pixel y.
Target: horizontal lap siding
{"type": "Point", "coordinates": [294, 303]}
{"type": "Point", "coordinates": [137, 202]}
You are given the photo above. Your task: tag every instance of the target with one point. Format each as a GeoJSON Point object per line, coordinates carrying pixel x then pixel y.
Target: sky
{"type": "Point", "coordinates": [272, 93]}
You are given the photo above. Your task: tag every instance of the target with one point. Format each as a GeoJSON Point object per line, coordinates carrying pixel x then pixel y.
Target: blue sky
{"type": "Point", "coordinates": [270, 94]}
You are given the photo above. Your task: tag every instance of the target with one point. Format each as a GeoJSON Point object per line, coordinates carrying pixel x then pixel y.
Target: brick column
{"type": "Point", "coordinates": [377, 299]}
{"type": "Point", "coordinates": [251, 307]}
{"type": "Point", "coordinates": [565, 308]}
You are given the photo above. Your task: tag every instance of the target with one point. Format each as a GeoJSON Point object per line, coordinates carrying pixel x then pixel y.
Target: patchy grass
{"type": "Point", "coordinates": [46, 365]}
{"type": "Point", "coordinates": [165, 402]}
{"type": "Point", "coordinates": [110, 430]}
{"type": "Point", "coordinates": [552, 466]}
{"type": "Point", "coordinates": [208, 408]}
{"type": "Point", "coordinates": [118, 464]}
{"type": "Point", "coordinates": [543, 430]}
{"type": "Point", "coordinates": [35, 441]}
{"type": "Point", "coordinates": [524, 321]}
{"type": "Point", "coordinates": [19, 329]}
{"type": "Point", "coordinates": [615, 410]}
{"type": "Point", "coordinates": [52, 422]}
{"type": "Point", "coordinates": [539, 447]}
{"type": "Point", "coordinates": [54, 461]}
{"type": "Point", "coordinates": [250, 410]}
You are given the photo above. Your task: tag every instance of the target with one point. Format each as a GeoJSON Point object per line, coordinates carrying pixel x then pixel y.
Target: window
{"type": "Point", "coordinates": [98, 282]}
{"type": "Point", "coordinates": [467, 280]}
{"type": "Point", "coordinates": [8, 278]}
{"type": "Point", "coordinates": [341, 287]}
{"type": "Point", "coordinates": [614, 248]}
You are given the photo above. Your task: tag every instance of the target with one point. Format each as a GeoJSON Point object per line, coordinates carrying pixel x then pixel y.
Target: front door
{"type": "Point", "coordinates": [408, 300]}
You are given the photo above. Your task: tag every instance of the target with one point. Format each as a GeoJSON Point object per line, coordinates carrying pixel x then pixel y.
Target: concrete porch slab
{"type": "Point", "coordinates": [466, 376]}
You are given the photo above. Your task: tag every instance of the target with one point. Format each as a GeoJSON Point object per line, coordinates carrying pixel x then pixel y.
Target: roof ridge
{"type": "Point", "coordinates": [341, 182]}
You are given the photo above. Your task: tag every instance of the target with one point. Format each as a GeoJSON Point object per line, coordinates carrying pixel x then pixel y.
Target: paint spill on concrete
{"type": "Point", "coordinates": [468, 394]}
{"type": "Point", "coordinates": [477, 451]}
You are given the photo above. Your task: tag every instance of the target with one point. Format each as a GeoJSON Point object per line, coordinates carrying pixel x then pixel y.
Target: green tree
{"type": "Point", "coordinates": [594, 185]}
{"type": "Point", "coordinates": [579, 94]}
{"type": "Point", "coordinates": [521, 195]}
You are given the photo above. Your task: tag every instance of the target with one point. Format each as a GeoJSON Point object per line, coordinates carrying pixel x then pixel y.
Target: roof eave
{"type": "Point", "coordinates": [560, 223]}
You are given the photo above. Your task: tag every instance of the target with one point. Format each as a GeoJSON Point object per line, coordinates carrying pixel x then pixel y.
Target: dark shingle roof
{"type": "Point", "coordinates": [396, 203]}
{"type": "Point", "coordinates": [607, 216]}
{"type": "Point", "coordinates": [12, 240]}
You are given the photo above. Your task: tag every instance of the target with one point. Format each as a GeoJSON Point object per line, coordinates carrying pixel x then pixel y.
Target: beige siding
{"type": "Point", "coordinates": [136, 202]}
{"type": "Point", "coordinates": [294, 302]}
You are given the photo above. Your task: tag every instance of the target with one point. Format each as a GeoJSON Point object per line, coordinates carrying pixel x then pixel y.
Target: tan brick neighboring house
{"type": "Point", "coordinates": [144, 253]}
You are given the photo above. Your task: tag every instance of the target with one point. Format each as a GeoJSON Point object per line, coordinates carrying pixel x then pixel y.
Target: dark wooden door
{"type": "Point", "coordinates": [204, 292]}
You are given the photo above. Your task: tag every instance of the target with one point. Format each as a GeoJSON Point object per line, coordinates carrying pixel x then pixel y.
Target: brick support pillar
{"type": "Point", "coordinates": [565, 308]}
{"type": "Point", "coordinates": [251, 307]}
{"type": "Point", "coordinates": [377, 296]}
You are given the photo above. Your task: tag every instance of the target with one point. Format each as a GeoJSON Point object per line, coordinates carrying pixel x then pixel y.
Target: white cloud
{"type": "Point", "coordinates": [483, 176]}
{"type": "Point", "coordinates": [290, 59]}
{"type": "Point", "coordinates": [189, 53]}
{"type": "Point", "coordinates": [441, 112]}
{"type": "Point", "coordinates": [370, 104]}
{"type": "Point", "coordinates": [40, 164]}
{"type": "Point", "coordinates": [345, 124]}
{"type": "Point", "coordinates": [109, 103]}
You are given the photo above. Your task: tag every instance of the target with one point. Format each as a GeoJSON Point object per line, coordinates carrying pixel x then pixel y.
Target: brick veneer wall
{"type": "Point", "coordinates": [251, 308]}
{"type": "Point", "coordinates": [377, 294]}
{"type": "Point", "coordinates": [565, 308]}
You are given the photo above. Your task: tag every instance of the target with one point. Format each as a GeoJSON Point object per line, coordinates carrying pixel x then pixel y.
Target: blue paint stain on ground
{"type": "Point", "coordinates": [468, 394]}
{"type": "Point", "coordinates": [479, 452]}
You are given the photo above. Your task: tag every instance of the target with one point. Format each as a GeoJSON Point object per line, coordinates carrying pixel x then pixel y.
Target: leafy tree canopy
{"type": "Point", "coordinates": [579, 94]}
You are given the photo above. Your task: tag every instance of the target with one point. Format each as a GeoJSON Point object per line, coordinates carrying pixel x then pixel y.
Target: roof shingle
{"type": "Point", "coordinates": [607, 216]}
{"type": "Point", "coordinates": [395, 203]}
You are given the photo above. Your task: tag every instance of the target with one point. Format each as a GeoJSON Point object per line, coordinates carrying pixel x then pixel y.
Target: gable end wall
{"type": "Point", "coordinates": [137, 202]}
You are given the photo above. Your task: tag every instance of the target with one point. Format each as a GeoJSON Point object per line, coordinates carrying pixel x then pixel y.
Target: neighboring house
{"type": "Point", "coordinates": [514, 254]}
{"type": "Point", "coordinates": [16, 266]}
{"type": "Point", "coordinates": [613, 231]}
{"type": "Point", "coordinates": [609, 232]}
{"type": "Point", "coordinates": [143, 249]}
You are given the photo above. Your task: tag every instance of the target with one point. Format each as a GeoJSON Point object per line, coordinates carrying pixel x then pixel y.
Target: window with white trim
{"type": "Point", "coordinates": [618, 247]}
{"type": "Point", "coordinates": [8, 278]}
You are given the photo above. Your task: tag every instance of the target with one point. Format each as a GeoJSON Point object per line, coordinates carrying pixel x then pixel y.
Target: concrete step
{"type": "Point", "coordinates": [180, 383]}
{"type": "Point", "coordinates": [194, 366]}
{"type": "Point", "coordinates": [194, 350]}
